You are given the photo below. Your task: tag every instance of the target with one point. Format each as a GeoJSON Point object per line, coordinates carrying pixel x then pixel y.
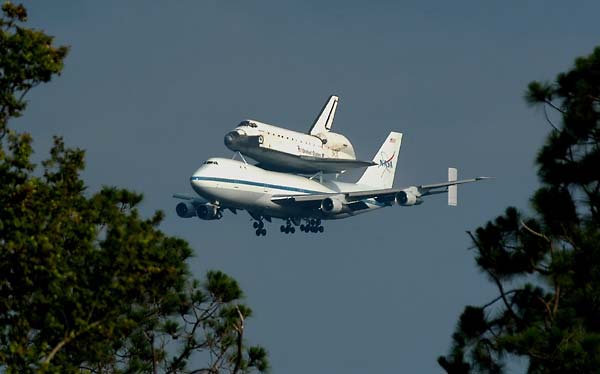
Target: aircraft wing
{"type": "Point", "coordinates": [197, 201]}
{"type": "Point", "coordinates": [429, 187]}
{"type": "Point", "coordinates": [381, 195]}
{"type": "Point", "coordinates": [192, 199]}
{"type": "Point", "coordinates": [423, 190]}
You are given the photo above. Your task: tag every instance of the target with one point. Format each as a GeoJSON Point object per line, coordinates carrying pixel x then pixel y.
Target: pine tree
{"type": "Point", "coordinates": [86, 284]}
{"type": "Point", "coordinates": [546, 267]}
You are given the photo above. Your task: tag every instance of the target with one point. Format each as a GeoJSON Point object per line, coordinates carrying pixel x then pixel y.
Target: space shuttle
{"type": "Point", "coordinates": [287, 151]}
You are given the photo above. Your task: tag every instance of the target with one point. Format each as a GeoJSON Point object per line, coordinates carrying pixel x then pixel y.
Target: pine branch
{"type": "Point", "coordinates": [551, 104]}
{"type": "Point", "coordinates": [503, 296]}
{"type": "Point", "coordinates": [535, 232]}
{"type": "Point", "coordinates": [497, 281]}
{"type": "Point", "coordinates": [498, 298]}
{"type": "Point", "coordinates": [69, 338]}
{"type": "Point", "coordinates": [549, 120]}
{"type": "Point", "coordinates": [240, 331]}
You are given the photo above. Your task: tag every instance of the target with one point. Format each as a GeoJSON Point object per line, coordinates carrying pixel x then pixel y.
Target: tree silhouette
{"type": "Point", "coordinates": [86, 284]}
{"type": "Point", "coordinates": [546, 267]}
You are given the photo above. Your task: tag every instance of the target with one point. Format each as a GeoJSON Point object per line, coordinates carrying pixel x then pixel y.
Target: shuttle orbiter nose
{"type": "Point", "coordinates": [239, 141]}
{"type": "Point", "coordinates": [232, 139]}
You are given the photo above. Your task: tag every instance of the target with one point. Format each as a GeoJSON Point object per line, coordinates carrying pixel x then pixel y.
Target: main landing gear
{"type": "Point", "coordinates": [312, 225]}
{"type": "Point", "coordinates": [288, 228]}
{"type": "Point", "coordinates": [259, 225]}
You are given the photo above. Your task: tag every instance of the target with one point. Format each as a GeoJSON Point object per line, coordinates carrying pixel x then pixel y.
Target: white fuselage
{"type": "Point", "coordinates": [297, 143]}
{"type": "Point", "coordinates": [238, 185]}
{"type": "Point", "coordinates": [279, 149]}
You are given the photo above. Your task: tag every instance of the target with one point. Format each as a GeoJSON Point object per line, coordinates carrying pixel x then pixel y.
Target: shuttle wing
{"type": "Point", "coordinates": [336, 163]}
{"type": "Point", "coordinates": [310, 164]}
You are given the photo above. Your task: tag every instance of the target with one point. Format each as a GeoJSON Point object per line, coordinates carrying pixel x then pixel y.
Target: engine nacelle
{"type": "Point", "coordinates": [185, 209]}
{"type": "Point", "coordinates": [408, 197]}
{"type": "Point", "coordinates": [332, 205]}
{"type": "Point", "coordinates": [208, 212]}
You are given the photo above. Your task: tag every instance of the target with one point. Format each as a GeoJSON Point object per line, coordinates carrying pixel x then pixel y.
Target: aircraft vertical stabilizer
{"type": "Point", "coordinates": [382, 174]}
{"type": "Point", "coordinates": [324, 120]}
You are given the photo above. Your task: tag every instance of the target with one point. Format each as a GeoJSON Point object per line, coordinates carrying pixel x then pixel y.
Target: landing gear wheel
{"type": "Point", "coordinates": [321, 228]}
{"type": "Point", "coordinates": [263, 232]}
{"type": "Point", "coordinates": [302, 228]}
{"type": "Point", "coordinates": [258, 232]}
{"type": "Point", "coordinates": [261, 225]}
{"type": "Point", "coordinates": [282, 228]}
{"type": "Point", "coordinates": [292, 230]}
{"type": "Point", "coordinates": [255, 225]}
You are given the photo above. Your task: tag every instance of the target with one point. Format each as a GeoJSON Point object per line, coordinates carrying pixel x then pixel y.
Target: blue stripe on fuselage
{"type": "Point", "coordinates": [279, 187]}
{"type": "Point", "coordinates": [250, 183]}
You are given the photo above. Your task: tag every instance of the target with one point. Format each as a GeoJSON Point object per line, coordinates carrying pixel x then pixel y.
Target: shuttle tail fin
{"type": "Point", "coordinates": [382, 174]}
{"type": "Point", "coordinates": [324, 120]}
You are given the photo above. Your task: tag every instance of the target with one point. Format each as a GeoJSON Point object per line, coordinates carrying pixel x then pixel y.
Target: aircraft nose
{"type": "Point", "coordinates": [231, 139]}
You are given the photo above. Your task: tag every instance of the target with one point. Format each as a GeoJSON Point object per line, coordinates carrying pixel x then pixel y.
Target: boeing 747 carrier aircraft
{"type": "Point", "coordinates": [226, 184]}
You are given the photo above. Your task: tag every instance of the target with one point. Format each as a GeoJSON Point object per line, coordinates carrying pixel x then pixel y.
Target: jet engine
{"type": "Point", "coordinates": [332, 205]}
{"type": "Point", "coordinates": [208, 212]}
{"type": "Point", "coordinates": [185, 209]}
{"type": "Point", "coordinates": [408, 197]}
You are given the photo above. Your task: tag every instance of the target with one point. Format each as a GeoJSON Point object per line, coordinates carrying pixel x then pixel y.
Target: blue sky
{"type": "Point", "coordinates": [150, 88]}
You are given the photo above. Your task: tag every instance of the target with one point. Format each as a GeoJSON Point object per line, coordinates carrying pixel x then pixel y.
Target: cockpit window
{"type": "Point", "coordinates": [247, 124]}
{"type": "Point", "coordinates": [211, 163]}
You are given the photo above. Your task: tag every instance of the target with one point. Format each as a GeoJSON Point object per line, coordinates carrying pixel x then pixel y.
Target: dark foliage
{"type": "Point", "coordinates": [86, 284]}
{"type": "Point", "coordinates": [546, 268]}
